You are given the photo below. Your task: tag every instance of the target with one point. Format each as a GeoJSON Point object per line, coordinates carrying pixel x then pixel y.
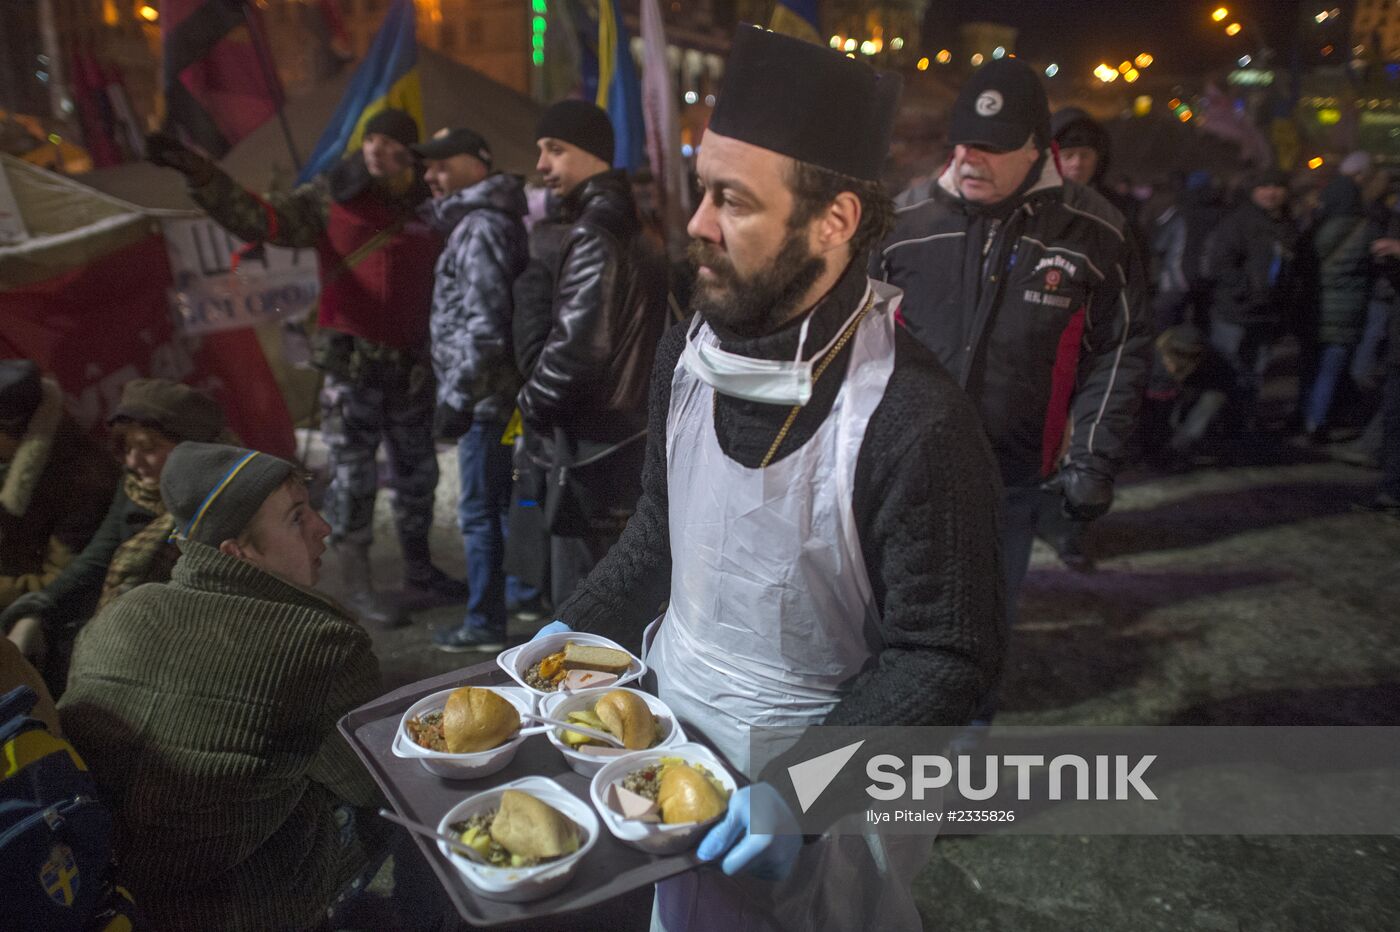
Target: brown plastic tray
{"type": "Point", "coordinates": [609, 870]}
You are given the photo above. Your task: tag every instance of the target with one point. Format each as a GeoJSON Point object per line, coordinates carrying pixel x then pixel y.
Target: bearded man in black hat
{"type": "Point", "coordinates": [819, 502]}
{"type": "Point", "coordinates": [376, 264]}
{"type": "Point", "coordinates": [1028, 291]}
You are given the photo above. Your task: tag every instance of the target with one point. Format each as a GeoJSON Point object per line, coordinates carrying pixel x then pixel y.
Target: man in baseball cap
{"type": "Point", "coordinates": [1025, 289]}
{"type": "Point", "coordinates": [481, 214]}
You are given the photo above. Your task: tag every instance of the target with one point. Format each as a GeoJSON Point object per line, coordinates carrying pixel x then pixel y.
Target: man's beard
{"type": "Point", "coordinates": [760, 304]}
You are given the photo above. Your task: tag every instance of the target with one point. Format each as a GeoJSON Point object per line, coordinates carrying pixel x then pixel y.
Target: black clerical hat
{"type": "Point", "coordinates": [807, 102]}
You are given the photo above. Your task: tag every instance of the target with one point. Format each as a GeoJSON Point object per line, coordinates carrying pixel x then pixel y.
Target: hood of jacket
{"type": "Point", "coordinates": [500, 192]}
{"type": "Point", "coordinates": [1341, 198]}
{"type": "Point", "coordinates": [1074, 127]}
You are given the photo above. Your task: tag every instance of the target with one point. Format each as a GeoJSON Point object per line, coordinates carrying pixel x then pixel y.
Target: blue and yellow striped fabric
{"type": "Point", "coordinates": [388, 77]}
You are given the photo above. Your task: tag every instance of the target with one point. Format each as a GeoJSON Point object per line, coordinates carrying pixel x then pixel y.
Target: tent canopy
{"type": "Point", "coordinates": [453, 95]}
{"type": "Point", "coordinates": [68, 224]}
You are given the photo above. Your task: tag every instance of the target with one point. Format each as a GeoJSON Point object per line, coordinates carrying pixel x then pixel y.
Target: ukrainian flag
{"type": "Point", "coordinates": [619, 91]}
{"type": "Point", "coordinates": [797, 18]}
{"type": "Point", "coordinates": [388, 77]}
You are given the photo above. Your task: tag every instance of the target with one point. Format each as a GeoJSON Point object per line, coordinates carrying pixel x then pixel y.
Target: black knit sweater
{"type": "Point", "coordinates": [927, 495]}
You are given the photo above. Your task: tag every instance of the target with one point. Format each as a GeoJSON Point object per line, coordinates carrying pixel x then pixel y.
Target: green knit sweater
{"type": "Point", "coordinates": [206, 709]}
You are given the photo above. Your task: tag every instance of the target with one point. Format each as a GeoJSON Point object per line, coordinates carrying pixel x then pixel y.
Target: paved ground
{"type": "Point", "coordinates": [1224, 596]}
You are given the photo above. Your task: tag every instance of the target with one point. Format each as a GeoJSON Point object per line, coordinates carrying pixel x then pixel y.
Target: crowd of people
{"type": "Point", "coordinates": [1003, 339]}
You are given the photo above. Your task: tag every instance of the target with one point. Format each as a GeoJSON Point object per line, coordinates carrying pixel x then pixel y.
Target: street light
{"type": "Point", "coordinates": [1143, 61]}
{"type": "Point", "coordinates": [1233, 29]}
{"type": "Point", "coordinates": [1220, 14]}
{"type": "Point", "coordinates": [1131, 75]}
{"type": "Point", "coordinates": [944, 56]}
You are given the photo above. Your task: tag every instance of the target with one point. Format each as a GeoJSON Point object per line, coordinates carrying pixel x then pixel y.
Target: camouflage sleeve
{"type": "Point", "coordinates": [300, 214]}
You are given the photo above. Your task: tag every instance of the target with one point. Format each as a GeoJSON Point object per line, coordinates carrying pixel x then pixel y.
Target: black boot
{"type": "Point", "coordinates": [360, 596]}
{"type": "Point", "coordinates": [1069, 547]}
{"type": "Point", "coordinates": [424, 585]}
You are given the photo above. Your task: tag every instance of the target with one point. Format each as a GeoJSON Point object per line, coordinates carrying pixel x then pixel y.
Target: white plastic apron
{"type": "Point", "coordinates": [771, 611]}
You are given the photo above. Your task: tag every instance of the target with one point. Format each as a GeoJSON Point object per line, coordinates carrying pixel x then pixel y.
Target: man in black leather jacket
{"type": "Point", "coordinates": [584, 401]}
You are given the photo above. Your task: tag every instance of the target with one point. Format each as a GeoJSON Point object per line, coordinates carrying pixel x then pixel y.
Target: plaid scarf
{"type": "Point", "coordinates": [148, 555]}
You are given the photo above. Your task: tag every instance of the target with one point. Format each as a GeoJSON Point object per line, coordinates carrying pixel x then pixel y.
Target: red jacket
{"type": "Point", "coordinates": [386, 297]}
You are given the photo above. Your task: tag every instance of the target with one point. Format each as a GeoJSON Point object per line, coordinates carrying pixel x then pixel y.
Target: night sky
{"type": "Point", "coordinates": [1178, 33]}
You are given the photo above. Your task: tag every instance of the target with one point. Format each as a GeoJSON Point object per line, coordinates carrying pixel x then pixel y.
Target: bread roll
{"type": "Point", "coordinates": [626, 715]}
{"type": "Point", "coordinates": [477, 720]}
{"type": "Point", "coordinates": [531, 829]}
{"type": "Point", "coordinates": [687, 795]}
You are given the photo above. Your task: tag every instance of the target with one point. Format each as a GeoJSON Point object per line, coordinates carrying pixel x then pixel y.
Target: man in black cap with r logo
{"type": "Point", "coordinates": [1027, 291]}
{"type": "Point", "coordinates": [819, 503]}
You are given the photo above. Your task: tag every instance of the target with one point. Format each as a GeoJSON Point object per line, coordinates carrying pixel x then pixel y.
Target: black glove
{"type": "Point", "coordinates": [165, 150]}
{"type": "Point", "coordinates": [450, 423]}
{"type": "Point", "coordinates": [1086, 490]}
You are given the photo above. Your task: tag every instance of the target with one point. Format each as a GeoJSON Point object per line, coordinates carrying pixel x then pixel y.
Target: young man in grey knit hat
{"type": "Point", "coordinates": [206, 708]}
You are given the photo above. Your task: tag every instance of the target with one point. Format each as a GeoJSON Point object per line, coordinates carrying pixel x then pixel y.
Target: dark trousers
{"type": "Point", "coordinates": [1249, 350]}
{"type": "Point", "coordinates": [571, 559]}
{"type": "Point", "coordinates": [485, 467]}
{"type": "Point", "coordinates": [393, 406]}
{"type": "Point", "coordinates": [1020, 515]}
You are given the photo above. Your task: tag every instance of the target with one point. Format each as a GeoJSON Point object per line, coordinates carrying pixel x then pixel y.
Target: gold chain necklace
{"type": "Point", "coordinates": [822, 364]}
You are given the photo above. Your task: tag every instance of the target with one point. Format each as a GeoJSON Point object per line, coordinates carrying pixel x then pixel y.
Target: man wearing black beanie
{"type": "Point", "coordinates": [584, 400]}
{"type": "Point", "coordinates": [376, 262]}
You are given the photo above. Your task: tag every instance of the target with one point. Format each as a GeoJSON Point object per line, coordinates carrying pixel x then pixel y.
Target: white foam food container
{"type": "Point", "coordinates": [559, 705]}
{"type": "Point", "coordinates": [522, 657]}
{"type": "Point", "coordinates": [521, 884]}
{"type": "Point", "coordinates": [464, 766]}
{"type": "Point", "coordinates": [654, 837]}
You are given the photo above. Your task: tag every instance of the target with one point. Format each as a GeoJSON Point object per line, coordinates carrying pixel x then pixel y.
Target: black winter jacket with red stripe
{"type": "Point", "coordinates": [1037, 308]}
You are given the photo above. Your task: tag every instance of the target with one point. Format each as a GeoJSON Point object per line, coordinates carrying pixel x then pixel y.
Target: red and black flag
{"type": "Point", "coordinates": [220, 82]}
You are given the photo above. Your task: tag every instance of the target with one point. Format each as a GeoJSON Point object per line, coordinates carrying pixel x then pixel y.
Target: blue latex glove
{"type": "Point", "coordinates": [554, 627]}
{"type": "Point", "coordinates": [768, 857]}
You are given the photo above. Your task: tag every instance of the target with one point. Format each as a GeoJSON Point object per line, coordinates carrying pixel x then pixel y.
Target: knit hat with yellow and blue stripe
{"type": "Point", "coordinates": [212, 490]}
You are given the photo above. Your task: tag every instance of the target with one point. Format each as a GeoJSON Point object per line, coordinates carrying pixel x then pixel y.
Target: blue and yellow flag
{"type": "Point", "coordinates": [619, 92]}
{"type": "Point", "coordinates": [388, 77]}
{"type": "Point", "coordinates": [797, 18]}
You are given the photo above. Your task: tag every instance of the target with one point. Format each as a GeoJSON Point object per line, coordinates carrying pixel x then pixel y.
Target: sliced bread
{"type": "Point", "coordinates": [588, 657]}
